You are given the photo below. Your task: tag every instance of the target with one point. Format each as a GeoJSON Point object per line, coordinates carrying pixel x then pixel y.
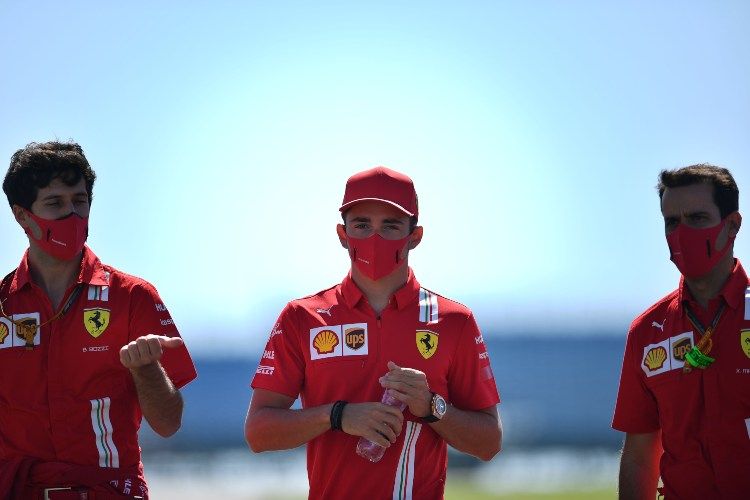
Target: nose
{"type": "Point", "coordinates": [70, 209]}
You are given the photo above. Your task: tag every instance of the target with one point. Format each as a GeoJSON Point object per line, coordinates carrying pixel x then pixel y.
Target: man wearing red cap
{"type": "Point", "coordinates": [684, 397]}
{"type": "Point", "coordinates": [378, 330]}
{"type": "Point", "coordinates": [85, 350]}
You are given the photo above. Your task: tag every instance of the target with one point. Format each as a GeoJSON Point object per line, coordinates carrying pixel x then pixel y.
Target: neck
{"type": "Point", "coordinates": [708, 287]}
{"type": "Point", "coordinates": [379, 292]}
{"type": "Point", "coordinates": [52, 275]}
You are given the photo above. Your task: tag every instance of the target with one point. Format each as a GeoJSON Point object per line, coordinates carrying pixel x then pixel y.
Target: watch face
{"type": "Point", "coordinates": [440, 405]}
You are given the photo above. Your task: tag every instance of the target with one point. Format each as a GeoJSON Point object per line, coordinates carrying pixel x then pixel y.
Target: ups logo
{"type": "Point", "coordinates": [679, 349]}
{"type": "Point", "coordinates": [354, 338]}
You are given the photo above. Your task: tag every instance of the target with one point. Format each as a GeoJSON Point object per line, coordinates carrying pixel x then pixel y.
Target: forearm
{"type": "Point", "coordinates": [639, 466]}
{"type": "Point", "coordinates": [161, 402]}
{"type": "Point", "coordinates": [268, 428]}
{"type": "Point", "coordinates": [637, 480]}
{"type": "Point", "coordinates": [477, 433]}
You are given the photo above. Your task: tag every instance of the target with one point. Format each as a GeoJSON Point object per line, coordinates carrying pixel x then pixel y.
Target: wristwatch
{"type": "Point", "coordinates": [438, 406]}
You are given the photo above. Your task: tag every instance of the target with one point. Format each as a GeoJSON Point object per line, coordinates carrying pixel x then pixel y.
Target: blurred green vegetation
{"type": "Point", "coordinates": [458, 488]}
{"type": "Point", "coordinates": [467, 491]}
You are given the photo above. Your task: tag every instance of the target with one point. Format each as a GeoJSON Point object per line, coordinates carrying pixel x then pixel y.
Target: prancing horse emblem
{"type": "Point", "coordinates": [745, 341]}
{"type": "Point", "coordinates": [96, 321]}
{"type": "Point", "coordinates": [427, 343]}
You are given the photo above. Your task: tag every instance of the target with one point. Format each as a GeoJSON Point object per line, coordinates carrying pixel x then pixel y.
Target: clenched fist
{"type": "Point", "coordinates": [410, 387]}
{"type": "Point", "coordinates": [146, 350]}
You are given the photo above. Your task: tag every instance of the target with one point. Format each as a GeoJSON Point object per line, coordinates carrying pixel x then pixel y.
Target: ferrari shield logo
{"type": "Point", "coordinates": [427, 343]}
{"type": "Point", "coordinates": [96, 321]}
{"type": "Point", "coordinates": [745, 342]}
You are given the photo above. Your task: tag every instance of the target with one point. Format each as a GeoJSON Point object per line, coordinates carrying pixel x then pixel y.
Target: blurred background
{"type": "Point", "coordinates": [222, 134]}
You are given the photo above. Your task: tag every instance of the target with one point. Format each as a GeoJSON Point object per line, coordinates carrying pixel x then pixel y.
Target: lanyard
{"type": "Point", "coordinates": [27, 329]}
{"type": "Point", "coordinates": [698, 357]}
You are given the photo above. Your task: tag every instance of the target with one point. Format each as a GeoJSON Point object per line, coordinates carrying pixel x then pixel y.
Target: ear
{"type": "Point", "coordinates": [735, 221]}
{"type": "Point", "coordinates": [341, 232]}
{"type": "Point", "coordinates": [415, 238]}
{"type": "Point", "coordinates": [27, 223]}
{"type": "Point", "coordinates": [20, 215]}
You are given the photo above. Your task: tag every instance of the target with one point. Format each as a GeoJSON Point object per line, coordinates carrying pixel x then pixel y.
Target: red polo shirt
{"type": "Point", "coordinates": [69, 398]}
{"type": "Point", "coordinates": [330, 346]}
{"type": "Point", "coordinates": [704, 415]}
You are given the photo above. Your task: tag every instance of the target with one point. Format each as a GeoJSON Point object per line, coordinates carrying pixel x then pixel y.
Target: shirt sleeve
{"type": "Point", "coordinates": [282, 368]}
{"type": "Point", "coordinates": [149, 315]}
{"type": "Point", "coordinates": [636, 410]}
{"type": "Point", "coordinates": [471, 383]}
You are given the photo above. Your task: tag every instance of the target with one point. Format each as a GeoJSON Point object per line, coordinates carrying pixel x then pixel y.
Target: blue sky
{"type": "Point", "coordinates": [223, 133]}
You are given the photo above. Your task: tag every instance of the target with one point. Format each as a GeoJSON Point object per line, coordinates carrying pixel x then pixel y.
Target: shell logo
{"type": "Point", "coordinates": [3, 332]}
{"type": "Point", "coordinates": [325, 341]}
{"type": "Point", "coordinates": [655, 358]}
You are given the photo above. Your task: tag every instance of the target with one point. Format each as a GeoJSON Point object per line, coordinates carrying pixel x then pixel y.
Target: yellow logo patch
{"type": "Point", "coordinates": [96, 321]}
{"type": "Point", "coordinates": [745, 342]}
{"type": "Point", "coordinates": [427, 343]}
{"type": "Point", "coordinates": [655, 358]}
{"type": "Point", "coordinates": [3, 332]}
{"type": "Point", "coordinates": [325, 341]}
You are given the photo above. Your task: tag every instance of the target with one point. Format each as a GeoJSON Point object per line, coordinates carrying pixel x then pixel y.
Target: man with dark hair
{"type": "Point", "coordinates": [684, 397]}
{"type": "Point", "coordinates": [377, 334]}
{"type": "Point", "coordinates": [85, 350]}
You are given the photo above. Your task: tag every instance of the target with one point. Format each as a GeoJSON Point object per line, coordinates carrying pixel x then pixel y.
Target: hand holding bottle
{"type": "Point", "coordinates": [374, 451]}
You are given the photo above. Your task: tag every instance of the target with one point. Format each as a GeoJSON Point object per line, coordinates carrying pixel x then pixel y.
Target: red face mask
{"type": "Point", "coordinates": [63, 238]}
{"type": "Point", "coordinates": [376, 256]}
{"type": "Point", "coordinates": [694, 251]}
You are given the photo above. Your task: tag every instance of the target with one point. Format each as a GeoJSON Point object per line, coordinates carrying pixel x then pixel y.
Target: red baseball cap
{"type": "Point", "coordinates": [382, 184]}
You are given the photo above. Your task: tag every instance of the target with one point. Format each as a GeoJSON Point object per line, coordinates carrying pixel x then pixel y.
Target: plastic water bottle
{"type": "Point", "coordinates": [373, 451]}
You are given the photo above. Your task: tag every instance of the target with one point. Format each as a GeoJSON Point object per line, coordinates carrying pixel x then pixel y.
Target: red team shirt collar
{"type": "Point", "coordinates": [92, 271]}
{"type": "Point", "coordinates": [733, 291]}
{"type": "Point", "coordinates": [404, 296]}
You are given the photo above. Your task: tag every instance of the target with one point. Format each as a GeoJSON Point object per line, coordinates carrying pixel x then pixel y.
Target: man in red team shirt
{"type": "Point", "coordinates": [684, 397]}
{"type": "Point", "coordinates": [85, 350]}
{"type": "Point", "coordinates": [340, 348]}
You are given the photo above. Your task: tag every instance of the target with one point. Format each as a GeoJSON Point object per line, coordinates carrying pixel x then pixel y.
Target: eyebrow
{"type": "Point", "coordinates": [385, 221]}
{"type": "Point", "coordinates": [393, 221]}
{"type": "Point", "coordinates": [57, 196]}
{"type": "Point", "coordinates": [688, 214]}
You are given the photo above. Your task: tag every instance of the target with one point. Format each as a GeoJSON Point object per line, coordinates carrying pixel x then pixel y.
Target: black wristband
{"type": "Point", "coordinates": [337, 412]}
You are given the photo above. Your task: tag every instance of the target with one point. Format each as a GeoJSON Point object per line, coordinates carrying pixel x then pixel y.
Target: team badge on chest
{"type": "Point", "coordinates": [96, 321]}
{"type": "Point", "coordinates": [427, 343]}
{"type": "Point", "coordinates": [20, 330]}
{"type": "Point", "coordinates": [355, 337]}
{"type": "Point", "coordinates": [745, 341]}
{"type": "Point", "coordinates": [4, 332]}
{"type": "Point", "coordinates": [338, 341]}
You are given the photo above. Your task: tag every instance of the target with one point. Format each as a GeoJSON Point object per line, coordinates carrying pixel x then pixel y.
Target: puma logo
{"type": "Point", "coordinates": [324, 311]}
{"type": "Point", "coordinates": [660, 326]}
